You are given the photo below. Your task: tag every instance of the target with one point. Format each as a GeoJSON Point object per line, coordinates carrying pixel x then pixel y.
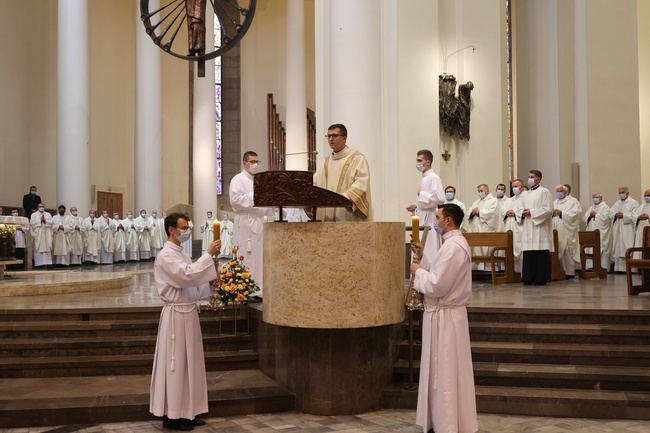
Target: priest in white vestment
{"type": "Point", "coordinates": [60, 239]}
{"type": "Point", "coordinates": [482, 217]}
{"type": "Point", "coordinates": [131, 234]}
{"type": "Point", "coordinates": [248, 233]}
{"type": "Point", "coordinates": [446, 396]}
{"type": "Point", "coordinates": [641, 221]}
{"type": "Point", "coordinates": [345, 172]}
{"type": "Point", "coordinates": [187, 245]}
{"type": "Point", "coordinates": [503, 201]}
{"type": "Point", "coordinates": [107, 235]}
{"type": "Point", "coordinates": [597, 218]}
{"type": "Point", "coordinates": [158, 237]}
{"type": "Point", "coordinates": [622, 215]}
{"type": "Point", "coordinates": [119, 239]}
{"type": "Point", "coordinates": [537, 232]}
{"type": "Point", "coordinates": [207, 232]}
{"type": "Point", "coordinates": [566, 220]}
{"type": "Point", "coordinates": [179, 389]}
{"type": "Point", "coordinates": [77, 237]}
{"type": "Point", "coordinates": [450, 198]}
{"type": "Point", "coordinates": [143, 228]}
{"type": "Point", "coordinates": [93, 238]}
{"type": "Point", "coordinates": [41, 228]}
{"type": "Point", "coordinates": [227, 229]}
{"type": "Point", "coordinates": [511, 216]}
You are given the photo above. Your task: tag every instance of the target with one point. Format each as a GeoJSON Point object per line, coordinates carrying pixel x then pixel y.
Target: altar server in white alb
{"type": "Point", "coordinates": [249, 220]}
{"type": "Point", "coordinates": [60, 239]}
{"type": "Point", "coordinates": [77, 237]}
{"type": "Point", "coordinates": [131, 233]}
{"type": "Point", "coordinates": [512, 219]}
{"type": "Point", "coordinates": [158, 237]}
{"type": "Point", "coordinates": [566, 220]}
{"type": "Point", "coordinates": [537, 232]}
{"type": "Point", "coordinates": [207, 232]}
{"type": "Point", "coordinates": [178, 382]}
{"type": "Point", "coordinates": [446, 398]}
{"type": "Point", "coordinates": [106, 232]}
{"type": "Point", "coordinates": [41, 229]}
{"type": "Point", "coordinates": [641, 221]}
{"type": "Point", "coordinates": [623, 226]}
{"type": "Point", "coordinates": [119, 239]}
{"type": "Point", "coordinates": [143, 228]}
{"type": "Point", "coordinates": [93, 238]}
{"type": "Point", "coordinates": [597, 218]}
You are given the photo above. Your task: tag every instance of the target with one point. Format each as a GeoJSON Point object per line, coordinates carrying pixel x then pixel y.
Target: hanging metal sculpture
{"type": "Point", "coordinates": [454, 111]}
{"type": "Point", "coordinates": [164, 23]}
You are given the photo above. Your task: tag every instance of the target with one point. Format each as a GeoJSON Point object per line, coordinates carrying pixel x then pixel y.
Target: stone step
{"type": "Point", "coordinates": [108, 399]}
{"type": "Point", "coordinates": [114, 364]}
{"type": "Point", "coordinates": [113, 345]}
{"type": "Point", "coordinates": [561, 403]}
{"type": "Point", "coordinates": [558, 315]}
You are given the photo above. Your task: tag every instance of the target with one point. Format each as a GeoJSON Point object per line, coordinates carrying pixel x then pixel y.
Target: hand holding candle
{"type": "Point", "coordinates": [216, 227]}
{"type": "Point", "coordinates": [415, 233]}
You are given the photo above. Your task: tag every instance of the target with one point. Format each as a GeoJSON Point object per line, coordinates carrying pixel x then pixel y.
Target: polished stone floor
{"type": "Point", "coordinates": [572, 294]}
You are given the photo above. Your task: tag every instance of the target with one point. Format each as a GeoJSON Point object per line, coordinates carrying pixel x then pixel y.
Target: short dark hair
{"type": "Point", "coordinates": [426, 153]}
{"type": "Point", "coordinates": [247, 154]}
{"type": "Point", "coordinates": [61, 206]}
{"type": "Point", "coordinates": [501, 185]}
{"type": "Point", "coordinates": [172, 221]}
{"type": "Point", "coordinates": [536, 173]}
{"type": "Point", "coordinates": [451, 188]}
{"type": "Point", "coordinates": [341, 127]}
{"type": "Point", "coordinates": [454, 211]}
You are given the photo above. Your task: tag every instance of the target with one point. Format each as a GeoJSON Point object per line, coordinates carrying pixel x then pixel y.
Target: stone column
{"type": "Point", "coordinates": [296, 87]}
{"type": "Point", "coordinates": [73, 182]}
{"type": "Point", "coordinates": [148, 120]}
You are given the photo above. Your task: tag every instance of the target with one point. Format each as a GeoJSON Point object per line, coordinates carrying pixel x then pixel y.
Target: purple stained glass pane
{"type": "Point", "coordinates": [219, 151]}
{"type": "Point", "coordinates": [217, 93]}
{"type": "Point", "coordinates": [218, 112]}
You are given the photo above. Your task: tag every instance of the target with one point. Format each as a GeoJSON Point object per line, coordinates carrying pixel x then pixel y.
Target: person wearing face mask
{"type": "Point", "coordinates": [76, 237]}
{"type": "Point", "coordinates": [450, 198]}
{"type": "Point", "coordinates": [227, 228]}
{"type": "Point", "coordinates": [131, 235]}
{"type": "Point", "coordinates": [623, 226]}
{"type": "Point", "coordinates": [597, 217]}
{"type": "Point", "coordinates": [566, 220]}
{"type": "Point", "coordinates": [187, 245]}
{"type": "Point", "coordinates": [481, 217]}
{"type": "Point", "coordinates": [511, 217]}
{"type": "Point", "coordinates": [41, 229]}
{"type": "Point", "coordinates": [144, 235]}
{"type": "Point", "coordinates": [503, 200]}
{"type": "Point", "coordinates": [21, 240]}
{"type": "Point", "coordinates": [119, 239]}
{"type": "Point", "coordinates": [107, 237]}
{"type": "Point", "coordinates": [31, 202]}
{"type": "Point", "coordinates": [179, 390]}
{"type": "Point", "coordinates": [446, 396]}
{"type": "Point", "coordinates": [537, 232]}
{"type": "Point", "coordinates": [60, 238]}
{"type": "Point", "coordinates": [93, 238]}
{"type": "Point", "coordinates": [158, 237]}
{"type": "Point", "coordinates": [345, 171]}
{"type": "Point", "coordinates": [207, 232]}
{"type": "Point", "coordinates": [641, 216]}
{"type": "Point", "coordinates": [249, 220]}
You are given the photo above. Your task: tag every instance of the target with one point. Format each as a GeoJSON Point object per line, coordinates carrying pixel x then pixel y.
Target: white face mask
{"type": "Point", "coordinates": [130, 217]}
{"type": "Point", "coordinates": [184, 236]}
{"type": "Point", "coordinates": [14, 214]}
{"type": "Point", "coordinates": [622, 196]}
{"type": "Point", "coordinates": [646, 198]}
{"type": "Point", "coordinates": [105, 215]}
{"type": "Point", "coordinates": [155, 215]}
{"type": "Point", "coordinates": [41, 209]}
{"type": "Point", "coordinates": [596, 200]}
{"type": "Point", "coordinates": [531, 181]}
{"type": "Point", "coordinates": [437, 228]}
{"type": "Point", "coordinates": [253, 168]}
{"type": "Point", "coordinates": [143, 214]}
{"type": "Point", "coordinates": [559, 195]}
{"type": "Point", "coordinates": [500, 193]}
{"type": "Point", "coordinates": [515, 190]}
{"type": "Point", "coordinates": [420, 166]}
{"type": "Point", "coordinates": [74, 213]}
{"type": "Point", "coordinates": [92, 215]}
{"type": "Point", "coordinates": [481, 195]}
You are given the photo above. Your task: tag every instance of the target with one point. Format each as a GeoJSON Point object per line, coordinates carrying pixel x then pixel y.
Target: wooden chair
{"type": "Point", "coordinates": [643, 264]}
{"type": "Point", "coordinates": [556, 271]}
{"type": "Point", "coordinates": [497, 241]}
{"type": "Point", "coordinates": [591, 239]}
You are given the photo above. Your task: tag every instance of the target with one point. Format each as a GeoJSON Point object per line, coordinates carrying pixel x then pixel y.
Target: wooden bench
{"type": "Point", "coordinates": [557, 274]}
{"type": "Point", "coordinates": [591, 239]}
{"type": "Point", "coordinates": [497, 241]}
{"type": "Point", "coordinates": [643, 264]}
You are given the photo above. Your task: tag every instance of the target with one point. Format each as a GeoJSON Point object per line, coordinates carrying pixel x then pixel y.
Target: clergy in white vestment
{"type": "Point", "coordinates": [450, 198]}
{"type": "Point", "coordinates": [143, 228]}
{"type": "Point", "coordinates": [482, 217]}
{"type": "Point", "coordinates": [294, 215]}
{"type": "Point", "coordinates": [429, 195]}
{"type": "Point", "coordinates": [248, 233]}
{"type": "Point", "coordinates": [537, 232]}
{"type": "Point", "coordinates": [119, 239]}
{"type": "Point", "coordinates": [77, 237]}
{"type": "Point", "coordinates": [20, 237]}
{"type": "Point", "coordinates": [597, 217]}
{"type": "Point", "coordinates": [131, 234]}
{"type": "Point", "coordinates": [179, 390]}
{"type": "Point", "coordinates": [60, 239]}
{"type": "Point", "coordinates": [641, 221]}
{"type": "Point", "coordinates": [503, 201]}
{"type": "Point", "coordinates": [207, 232]}
{"type": "Point", "coordinates": [107, 235]}
{"type": "Point", "coordinates": [566, 220]}
{"type": "Point", "coordinates": [446, 397]}
{"type": "Point", "coordinates": [158, 237]}
{"type": "Point", "coordinates": [511, 216]}
{"type": "Point", "coordinates": [187, 245]}
{"type": "Point", "coordinates": [622, 214]}
{"type": "Point", "coordinates": [93, 238]}
{"type": "Point", "coordinates": [227, 229]}
{"type": "Point", "coordinates": [41, 229]}
{"type": "Point", "coordinates": [345, 172]}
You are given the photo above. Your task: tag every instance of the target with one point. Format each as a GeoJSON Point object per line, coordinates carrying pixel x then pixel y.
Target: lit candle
{"type": "Point", "coordinates": [216, 226]}
{"type": "Point", "coordinates": [416, 228]}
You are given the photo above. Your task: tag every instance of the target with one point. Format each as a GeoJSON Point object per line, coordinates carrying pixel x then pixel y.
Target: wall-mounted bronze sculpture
{"type": "Point", "coordinates": [454, 111]}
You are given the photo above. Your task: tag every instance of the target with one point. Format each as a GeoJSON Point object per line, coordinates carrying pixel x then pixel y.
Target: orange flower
{"type": "Point", "coordinates": [245, 275]}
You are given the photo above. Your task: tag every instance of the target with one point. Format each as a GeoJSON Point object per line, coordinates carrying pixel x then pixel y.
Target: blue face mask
{"type": "Point", "coordinates": [437, 227]}
{"type": "Point", "coordinates": [596, 200]}
{"type": "Point", "coordinates": [622, 196]}
{"type": "Point", "coordinates": [646, 198]}
{"type": "Point", "coordinates": [449, 196]}
{"type": "Point", "coordinates": [559, 195]}
{"type": "Point", "coordinates": [500, 193]}
{"type": "Point", "coordinates": [481, 195]}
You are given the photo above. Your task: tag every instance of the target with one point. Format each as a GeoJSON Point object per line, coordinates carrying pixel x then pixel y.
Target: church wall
{"type": "Point", "coordinates": [643, 8]}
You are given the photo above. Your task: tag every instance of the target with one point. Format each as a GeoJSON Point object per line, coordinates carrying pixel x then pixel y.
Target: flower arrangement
{"type": "Point", "coordinates": [235, 284]}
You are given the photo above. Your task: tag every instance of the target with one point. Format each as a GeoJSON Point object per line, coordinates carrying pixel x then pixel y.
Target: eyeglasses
{"type": "Point", "coordinates": [253, 161]}
{"type": "Point", "coordinates": [333, 136]}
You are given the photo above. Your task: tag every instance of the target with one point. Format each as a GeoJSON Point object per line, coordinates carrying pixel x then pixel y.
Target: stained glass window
{"type": "Point", "coordinates": [217, 108]}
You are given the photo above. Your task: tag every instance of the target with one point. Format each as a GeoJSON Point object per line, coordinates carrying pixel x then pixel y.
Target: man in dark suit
{"type": "Point", "coordinates": [31, 201]}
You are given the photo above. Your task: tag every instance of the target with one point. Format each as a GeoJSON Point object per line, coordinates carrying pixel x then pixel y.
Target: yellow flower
{"type": "Point", "coordinates": [245, 275]}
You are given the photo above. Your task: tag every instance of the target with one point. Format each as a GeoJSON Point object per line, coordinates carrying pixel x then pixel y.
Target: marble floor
{"type": "Point", "coordinates": [609, 294]}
